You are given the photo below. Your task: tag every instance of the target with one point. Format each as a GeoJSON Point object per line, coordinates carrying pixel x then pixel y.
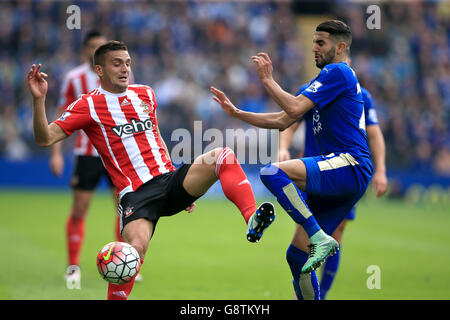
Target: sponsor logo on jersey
{"type": "Point", "coordinates": [125, 102]}
{"type": "Point", "coordinates": [317, 125]}
{"type": "Point", "coordinates": [134, 127]}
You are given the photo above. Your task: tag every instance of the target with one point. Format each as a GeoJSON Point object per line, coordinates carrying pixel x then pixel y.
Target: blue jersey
{"type": "Point", "coordinates": [337, 119]}
{"type": "Point", "coordinates": [369, 108]}
{"type": "Point", "coordinates": [338, 171]}
{"type": "Point", "coordinates": [311, 146]}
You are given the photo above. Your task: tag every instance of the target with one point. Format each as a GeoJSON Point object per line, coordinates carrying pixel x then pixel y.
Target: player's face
{"type": "Point", "coordinates": [323, 48]}
{"type": "Point", "coordinates": [91, 46]}
{"type": "Point", "coordinates": [115, 75]}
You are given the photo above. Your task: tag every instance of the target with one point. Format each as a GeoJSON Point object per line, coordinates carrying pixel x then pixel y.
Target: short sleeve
{"type": "Point", "coordinates": [328, 85]}
{"type": "Point", "coordinates": [299, 92]}
{"type": "Point", "coordinates": [152, 97]}
{"type": "Point", "coordinates": [75, 117]}
{"type": "Point", "coordinates": [302, 88]}
{"type": "Point", "coordinates": [369, 109]}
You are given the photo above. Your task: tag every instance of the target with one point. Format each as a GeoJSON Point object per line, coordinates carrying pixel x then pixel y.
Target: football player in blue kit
{"type": "Point", "coordinates": [379, 179]}
{"type": "Point", "coordinates": [317, 192]}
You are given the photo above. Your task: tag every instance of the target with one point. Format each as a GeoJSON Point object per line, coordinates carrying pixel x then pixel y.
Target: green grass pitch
{"type": "Point", "coordinates": [205, 255]}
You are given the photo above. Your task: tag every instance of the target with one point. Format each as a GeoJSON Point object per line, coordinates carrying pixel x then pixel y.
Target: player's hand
{"type": "Point", "coordinates": [379, 182]}
{"type": "Point", "coordinates": [36, 82]}
{"type": "Point", "coordinates": [57, 164]}
{"type": "Point", "coordinates": [224, 102]}
{"type": "Point", "coordinates": [284, 155]}
{"type": "Point", "coordinates": [190, 208]}
{"type": "Point", "coordinates": [264, 65]}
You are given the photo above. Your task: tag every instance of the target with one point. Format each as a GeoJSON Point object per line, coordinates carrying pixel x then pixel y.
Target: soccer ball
{"type": "Point", "coordinates": [118, 262]}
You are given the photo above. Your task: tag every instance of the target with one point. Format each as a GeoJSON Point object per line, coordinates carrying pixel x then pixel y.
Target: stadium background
{"type": "Point", "coordinates": [180, 48]}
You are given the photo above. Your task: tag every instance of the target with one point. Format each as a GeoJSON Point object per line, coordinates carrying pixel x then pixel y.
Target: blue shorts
{"type": "Point", "coordinates": [334, 184]}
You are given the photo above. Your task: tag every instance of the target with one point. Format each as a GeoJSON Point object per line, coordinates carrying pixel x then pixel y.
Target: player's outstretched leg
{"type": "Point", "coordinates": [290, 198]}
{"type": "Point", "coordinates": [222, 164]}
{"type": "Point", "coordinates": [138, 234]}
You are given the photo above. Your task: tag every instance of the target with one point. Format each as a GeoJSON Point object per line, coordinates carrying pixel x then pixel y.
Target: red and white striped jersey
{"type": "Point", "coordinates": [77, 82]}
{"type": "Point", "coordinates": [124, 129]}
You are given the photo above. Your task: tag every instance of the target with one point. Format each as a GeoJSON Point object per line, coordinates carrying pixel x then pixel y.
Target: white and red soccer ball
{"type": "Point", "coordinates": [118, 262]}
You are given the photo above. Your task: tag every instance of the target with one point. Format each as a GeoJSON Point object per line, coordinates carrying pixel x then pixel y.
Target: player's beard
{"type": "Point", "coordinates": [117, 86]}
{"type": "Point", "coordinates": [327, 59]}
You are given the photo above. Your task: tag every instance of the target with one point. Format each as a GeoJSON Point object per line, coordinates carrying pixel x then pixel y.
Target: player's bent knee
{"type": "Point", "coordinates": [138, 233]}
{"type": "Point", "coordinates": [268, 171]}
{"type": "Point", "coordinates": [223, 156]}
{"type": "Point", "coordinates": [139, 243]}
{"type": "Point", "coordinates": [212, 157]}
{"type": "Point", "coordinates": [140, 248]}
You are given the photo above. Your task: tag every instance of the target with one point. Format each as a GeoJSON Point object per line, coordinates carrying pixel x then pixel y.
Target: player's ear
{"type": "Point", "coordinates": [99, 70]}
{"type": "Point", "coordinates": [340, 47]}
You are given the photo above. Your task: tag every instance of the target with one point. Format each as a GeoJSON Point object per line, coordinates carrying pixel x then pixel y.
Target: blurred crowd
{"type": "Point", "coordinates": [181, 48]}
{"type": "Point", "coordinates": [406, 67]}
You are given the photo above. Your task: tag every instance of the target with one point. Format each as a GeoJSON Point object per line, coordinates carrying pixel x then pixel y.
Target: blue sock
{"type": "Point", "coordinates": [306, 285]}
{"type": "Point", "coordinates": [329, 273]}
{"type": "Point", "coordinates": [289, 197]}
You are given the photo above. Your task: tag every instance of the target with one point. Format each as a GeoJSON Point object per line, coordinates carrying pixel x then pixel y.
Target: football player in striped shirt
{"type": "Point", "coordinates": [319, 191]}
{"type": "Point", "coordinates": [88, 167]}
{"type": "Point", "coordinates": [311, 148]}
{"type": "Point", "coordinates": [120, 120]}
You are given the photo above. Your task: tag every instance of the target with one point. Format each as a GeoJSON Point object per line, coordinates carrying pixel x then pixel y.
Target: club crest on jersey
{"type": "Point", "coordinates": [146, 107]}
{"type": "Point", "coordinates": [128, 211]}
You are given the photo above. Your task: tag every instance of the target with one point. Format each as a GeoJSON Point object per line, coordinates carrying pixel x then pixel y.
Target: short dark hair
{"type": "Point", "coordinates": [338, 30]}
{"type": "Point", "coordinates": [112, 45]}
{"type": "Point", "coordinates": [90, 35]}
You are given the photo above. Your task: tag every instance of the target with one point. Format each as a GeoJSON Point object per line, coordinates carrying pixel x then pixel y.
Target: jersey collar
{"type": "Point", "coordinates": [112, 94]}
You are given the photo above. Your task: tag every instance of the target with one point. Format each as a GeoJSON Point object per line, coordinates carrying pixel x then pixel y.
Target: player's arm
{"type": "Point", "coordinates": [378, 150]}
{"type": "Point", "coordinates": [67, 96]}
{"type": "Point", "coordinates": [276, 120]}
{"type": "Point", "coordinates": [294, 106]}
{"type": "Point", "coordinates": [286, 137]}
{"type": "Point", "coordinates": [56, 156]}
{"type": "Point", "coordinates": [45, 134]}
